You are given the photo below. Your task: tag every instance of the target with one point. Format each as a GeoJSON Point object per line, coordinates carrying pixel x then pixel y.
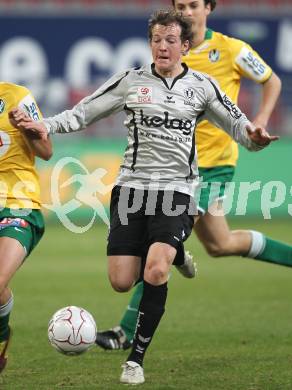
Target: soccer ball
{"type": "Point", "coordinates": [72, 330]}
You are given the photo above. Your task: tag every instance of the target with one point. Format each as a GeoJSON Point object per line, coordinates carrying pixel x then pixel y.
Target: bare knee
{"type": "Point", "coordinates": [121, 284]}
{"type": "Point", "coordinates": [123, 271]}
{"type": "Point", "coordinates": [121, 287]}
{"type": "Point", "coordinates": [154, 274]}
{"type": "Point", "coordinates": [159, 259]}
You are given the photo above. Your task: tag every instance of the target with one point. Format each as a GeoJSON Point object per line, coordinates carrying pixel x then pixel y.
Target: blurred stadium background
{"type": "Point", "coordinates": [63, 50]}
{"type": "Point", "coordinates": [236, 334]}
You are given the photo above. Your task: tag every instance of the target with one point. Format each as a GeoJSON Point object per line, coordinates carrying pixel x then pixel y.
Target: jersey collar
{"type": "Point", "coordinates": [208, 34]}
{"type": "Point", "coordinates": [180, 76]}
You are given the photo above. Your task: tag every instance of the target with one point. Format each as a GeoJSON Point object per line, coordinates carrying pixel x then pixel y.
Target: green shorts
{"type": "Point", "coordinates": [27, 229]}
{"type": "Point", "coordinates": [213, 183]}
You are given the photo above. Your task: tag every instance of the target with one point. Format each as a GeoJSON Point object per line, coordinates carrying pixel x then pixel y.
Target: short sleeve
{"type": "Point", "coordinates": [29, 105]}
{"type": "Point", "coordinates": [248, 63]}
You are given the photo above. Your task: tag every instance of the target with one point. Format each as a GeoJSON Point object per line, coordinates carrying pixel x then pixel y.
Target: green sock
{"type": "Point", "coordinates": [5, 311]}
{"type": "Point", "coordinates": [276, 252]}
{"type": "Point", "coordinates": [4, 328]}
{"type": "Point", "coordinates": [129, 320]}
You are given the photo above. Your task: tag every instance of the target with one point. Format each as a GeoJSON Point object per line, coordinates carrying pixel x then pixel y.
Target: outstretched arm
{"type": "Point", "coordinates": [107, 99]}
{"type": "Point", "coordinates": [270, 92]}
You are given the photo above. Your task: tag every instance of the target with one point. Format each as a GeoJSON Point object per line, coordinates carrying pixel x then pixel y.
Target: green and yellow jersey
{"type": "Point", "coordinates": [19, 184]}
{"type": "Point", "coordinates": [227, 60]}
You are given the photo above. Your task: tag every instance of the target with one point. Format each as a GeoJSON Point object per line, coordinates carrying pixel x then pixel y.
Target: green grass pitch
{"type": "Point", "coordinates": [230, 329]}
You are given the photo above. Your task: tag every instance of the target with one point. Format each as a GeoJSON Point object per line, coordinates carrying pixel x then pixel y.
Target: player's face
{"type": "Point", "coordinates": [196, 11]}
{"type": "Point", "coordinates": [167, 49]}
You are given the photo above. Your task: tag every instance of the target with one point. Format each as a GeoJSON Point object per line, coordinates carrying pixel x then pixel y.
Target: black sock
{"type": "Point", "coordinates": [151, 310]}
{"type": "Point", "coordinates": [180, 255]}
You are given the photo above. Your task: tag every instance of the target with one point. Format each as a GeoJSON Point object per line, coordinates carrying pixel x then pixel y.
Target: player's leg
{"type": "Point", "coordinates": [122, 240]}
{"type": "Point", "coordinates": [125, 331]}
{"type": "Point", "coordinates": [166, 233]}
{"type": "Point", "coordinates": [12, 255]}
{"type": "Point", "coordinates": [18, 237]}
{"type": "Point", "coordinates": [6, 305]}
{"type": "Point", "coordinates": [129, 319]}
{"type": "Point", "coordinates": [126, 238]}
{"type": "Point", "coordinates": [123, 271]}
{"type": "Point", "coordinates": [269, 250]}
{"type": "Point", "coordinates": [151, 308]}
{"type": "Point", "coordinates": [216, 236]}
{"type": "Point", "coordinates": [213, 231]}
{"type": "Point", "coordinates": [124, 250]}
{"type": "Point", "coordinates": [212, 228]}
{"type": "Point", "coordinates": [121, 336]}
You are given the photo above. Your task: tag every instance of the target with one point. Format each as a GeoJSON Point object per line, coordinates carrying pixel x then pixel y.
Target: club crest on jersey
{"type": "Point", "coordinates": [190, 95]}
{"type": "Point", "coordinates": [2, 106]}
{"type": "Point", "coordinates": [214, 55]}
{"type": "Point", "coordinates": [144, 95]}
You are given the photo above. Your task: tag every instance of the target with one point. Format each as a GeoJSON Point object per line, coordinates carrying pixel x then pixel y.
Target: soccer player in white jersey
{"type": "Point", "coordinates": [228, 60]}
{"type": "Point", "coordinates": [152, 202]}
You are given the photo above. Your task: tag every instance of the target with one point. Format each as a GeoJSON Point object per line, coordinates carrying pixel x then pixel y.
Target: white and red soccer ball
{"type": "Point", "coordinates": [72, 330]}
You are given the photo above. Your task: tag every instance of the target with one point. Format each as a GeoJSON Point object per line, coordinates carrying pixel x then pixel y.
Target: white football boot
{"type": "Point", "coordinates": [133, 373]}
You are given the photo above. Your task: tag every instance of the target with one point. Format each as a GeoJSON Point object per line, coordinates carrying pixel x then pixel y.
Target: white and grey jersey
{"type": "Point", "coordinates": [161, 117]}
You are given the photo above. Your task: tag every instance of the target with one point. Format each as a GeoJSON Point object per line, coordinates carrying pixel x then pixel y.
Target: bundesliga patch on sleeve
{"type": "Point", "coordinates": [29, 105]}
{"type": "Point", "coordinates": [251, 64]}
{"type": "Point", "coordinates": [144, 95]}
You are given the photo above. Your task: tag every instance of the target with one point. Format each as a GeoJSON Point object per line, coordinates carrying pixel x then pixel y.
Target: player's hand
{"type": "Point", "coordinates": [22, 121]}
{"type": "Point", "coordinates": [260, 136]}
{"type": "Point", "coordinates": [17, 115]}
